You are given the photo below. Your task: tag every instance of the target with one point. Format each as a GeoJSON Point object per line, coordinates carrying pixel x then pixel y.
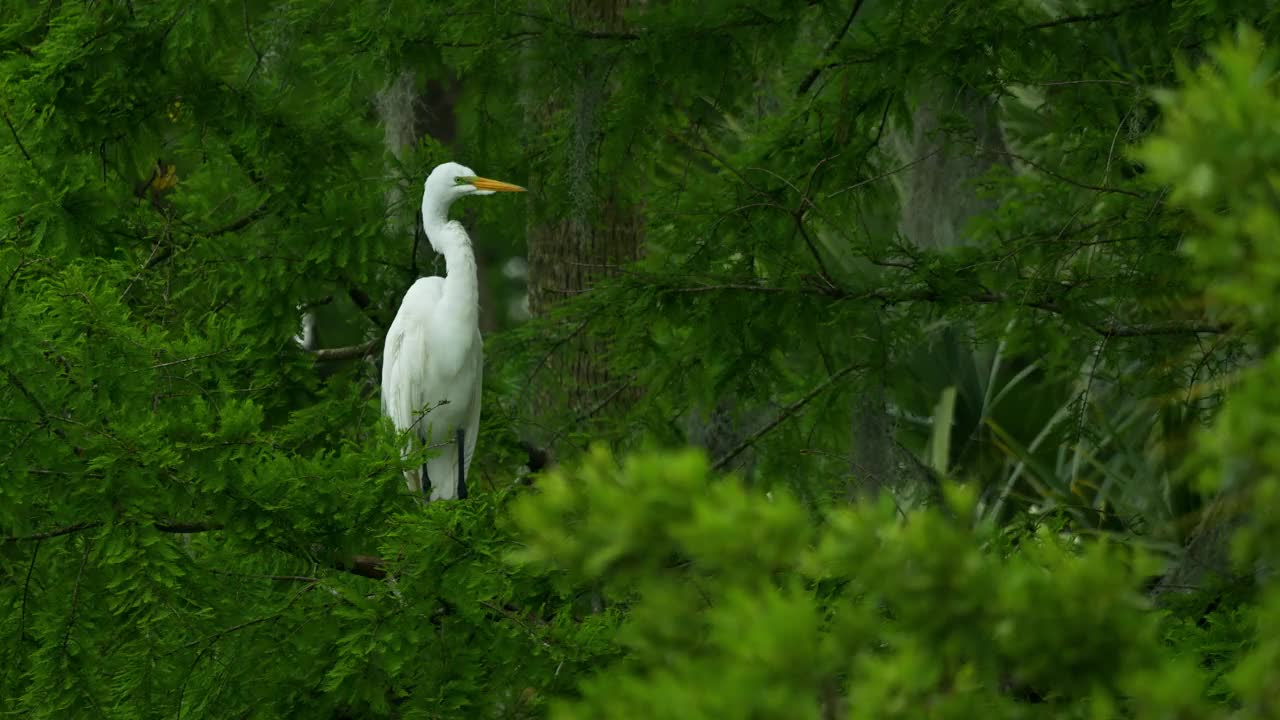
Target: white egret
{"type": "Point", "coordinates": [432, 361]}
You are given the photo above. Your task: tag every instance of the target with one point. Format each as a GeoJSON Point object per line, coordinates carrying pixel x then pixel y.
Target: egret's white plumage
{"type": "Point", "coordinates": [432, 362]}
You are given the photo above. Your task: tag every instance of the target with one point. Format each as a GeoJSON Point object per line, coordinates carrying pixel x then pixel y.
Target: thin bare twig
{"type": "Point", "coordinates": [277, 578]}
{"type": "Point", "coordinates": [75, 598]}
{"type": "Point", "coordinates": [1057, 176]}
{"type": "Point", "coordinates": [369, 566]}
{"type": "Point", "coordinates": [14, 131]}
{"type": "Point", "coordinates": [57, 532]}
{"type": "Point", "coordinates": [26, 591]}
{"type": "Point", "coordinates": [248, 33]}
{"type": "Point", "coordinates": [783, 415]}
{"type": "Point", "coordinates": [185, 360]}
{"type": "Point", "coordinates": [813, 74]}
{"type": "Point", "coordinates": [250, 623]}
{"type": "Point", "coordinates": [187, 528]}
{"type": "Point", "coordinates": [22, 388]}
{"type": "Point", "coordinates": [885, 174]}
{"type": "Point", "coordinates": [165, 527]}
{"type": "Point", "coordinates": [1091, 17]}
{"type": "Point", "coordinates": [350, 352]}
{"type": "Point", "coordinates": [233, 226]}
{"type": "Point", "coordinates": [887, 298]}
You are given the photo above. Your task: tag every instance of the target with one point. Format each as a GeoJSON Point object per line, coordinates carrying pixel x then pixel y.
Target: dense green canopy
{"type": "Point", "coordinates": [965, 308]}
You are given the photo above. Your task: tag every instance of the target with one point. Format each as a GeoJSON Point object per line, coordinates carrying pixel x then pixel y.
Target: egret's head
{"type": "Point", "coordinates": [450, 181]}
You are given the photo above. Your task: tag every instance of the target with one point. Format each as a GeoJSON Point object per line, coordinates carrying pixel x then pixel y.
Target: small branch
{"type": "Point", "coordinates": [14, 131]}
{"type": "Point", "coordinates": [350, 352]}
{"type": "Point", "coordinates": [887, 173]}
{"type": "Point", "coordinates": [889, 298]}
{"type": "Point", "coordinates": [590, 413]}
{"type": "Point", "coordinates": [783, 415]}
{"type": "Point", "coordinates": [248, 33]}
{"type": "Point", "coordinates": [515, 616]}
{"type": "Point", "coordinates": [1115, 330]}
{"type": "Point", "coordinates": [26, 591]}
{"type": "Point", "coordinates": [188, 528]}
{"type": "Point", "coordinates": [4, 291]}
{"type": "Point", "coordinates": [813, 250]}
{"type": "Point", "coordinates": [702, 148]}
{"type": "Point", "coordinates": [813, 74]}
{"type": "Point", "coordinates": [1091, 17]}
{"type": "Point", "coordinates": [276, 578]}
{"type": "Point", "coordinates": [745, 287]}
{"type": "Point", "coordinates": [17, 383]}
{"type": "Point", "coordinates": [58, 532]}
{"type": "Point", "coordinates": [585, 34]}
{"type": "Point", "coordinates": [1056, 176]}
{"type": "Point", "coordinates": [232, 226]}
{"type": "Point", "coordinates": [159, 257]}
{"type": "Point", "coordinates": [369, 566]}
{"type": "Point", "coordinates": [193, 358]}
{"type": "Point", "coordinates": [174, 527]}
{"type": "Point", "coordinates": [240, 224]}
{"type": "Point", "coordinates": [75, 598]}
{"type": "Point", "coordinates": [233, 628]}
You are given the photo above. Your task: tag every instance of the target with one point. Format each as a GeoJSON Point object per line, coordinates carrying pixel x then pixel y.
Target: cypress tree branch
{"type": "Point", "coordinates": [57, 532]}
{"type": "Point", "coordinates": [26, 592]}
{"type": "Point", "coordinates": [183, 528]}
{"type": "Point", "coordinates": [888, 298]}
{"type": "Point", "coordinates": [783, 415]}
{"type": "Point", "coordinates": [813, 74]}
{"type": "Point", "coordinates": [31, 398]}
{"type": "Point", "coordinates": [1083, 186]}
{"type": "Point", "coordinates": [188, 528]}
{"type": "Point", "coordinates": [1091, 17]}
{"type": "Point", "coordinates": [17, 140]}
{"type": "Point", "coordinates": [235, 225]}
{"type": "Point", "coordinates": [350, 352]}
{"type": "Point", "coordinates": [370, 566]}
{"type": "Point", "coordinates": [233, 628]}
{"type": "Point", "coordinates": [75, 599]}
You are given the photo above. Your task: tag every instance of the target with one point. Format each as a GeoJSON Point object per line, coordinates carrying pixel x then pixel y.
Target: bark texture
{"type": "Point", "coordinates": [598, 232]}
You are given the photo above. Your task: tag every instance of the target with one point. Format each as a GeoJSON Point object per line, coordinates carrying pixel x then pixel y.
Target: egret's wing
{"type": "Point", "coordinates": [394, 385]}
{"type": "Point", "coordinates": [396, 394]}
{"type": "Point", "coordinates": [404, 363]}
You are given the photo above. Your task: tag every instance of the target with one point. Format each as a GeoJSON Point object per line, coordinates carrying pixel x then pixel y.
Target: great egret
{"type": "Point", "coordinates": [432, 361]}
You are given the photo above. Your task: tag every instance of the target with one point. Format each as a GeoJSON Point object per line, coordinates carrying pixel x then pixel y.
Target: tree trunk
{"type": "Point", "coordinates": [937, 198]}
{"type": "Point", "coordinates": [598, 232]}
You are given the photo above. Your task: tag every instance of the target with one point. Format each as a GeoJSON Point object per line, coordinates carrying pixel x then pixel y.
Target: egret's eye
{"type": "Point", "coordinates": [459, 181]}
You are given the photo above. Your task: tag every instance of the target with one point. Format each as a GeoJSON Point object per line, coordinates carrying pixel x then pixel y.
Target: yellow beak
{"type": "Point", "coordinates": [495, 185]}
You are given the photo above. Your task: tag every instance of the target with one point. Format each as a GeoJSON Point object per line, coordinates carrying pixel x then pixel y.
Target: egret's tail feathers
{"type": "Point", "coordinates": [442, 473]}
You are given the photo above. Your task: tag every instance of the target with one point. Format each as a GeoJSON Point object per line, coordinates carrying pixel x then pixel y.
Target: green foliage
{"type": "Point", "coordinates": [1041, 232]}
{"type": "Point", "coordinates": [736, 604]}
{"type": "Point", "coordinates": [1226, 179]}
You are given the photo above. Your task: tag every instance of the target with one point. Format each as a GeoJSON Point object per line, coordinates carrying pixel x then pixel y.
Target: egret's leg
{"type": "Point", "coordinates": [462, 465]}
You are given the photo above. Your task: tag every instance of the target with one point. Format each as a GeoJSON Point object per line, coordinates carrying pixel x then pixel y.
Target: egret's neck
{"type": "Point", "coordinates": [435, 214]}
{"type": "Point", "coordinates": [461, 294]}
